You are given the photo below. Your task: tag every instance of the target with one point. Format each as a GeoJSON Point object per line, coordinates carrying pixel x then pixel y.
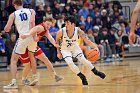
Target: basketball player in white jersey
{"type": "Point", "coordinates": [134, 18]}
{"type": "Point", "coordinates": [24, 19]}
{"type": "Point", "coordinates": [69, 47]}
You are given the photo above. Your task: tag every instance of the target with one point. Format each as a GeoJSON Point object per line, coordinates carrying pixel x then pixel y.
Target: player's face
{"type": "Point", "coordinates": [68, 24]}
{"type": "Point", "coordinates": [48, 24]}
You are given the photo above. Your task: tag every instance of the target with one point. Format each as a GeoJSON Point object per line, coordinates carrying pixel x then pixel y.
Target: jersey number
{"type": "Point", "coordinates": [23, 16]}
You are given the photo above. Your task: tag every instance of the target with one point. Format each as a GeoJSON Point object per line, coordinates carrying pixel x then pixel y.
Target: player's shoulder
{"type": "Point", "coordinates": [64, 28]}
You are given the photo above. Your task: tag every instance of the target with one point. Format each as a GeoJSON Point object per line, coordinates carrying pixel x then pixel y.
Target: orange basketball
{"type": "Point", "coordinates": [92, 55]}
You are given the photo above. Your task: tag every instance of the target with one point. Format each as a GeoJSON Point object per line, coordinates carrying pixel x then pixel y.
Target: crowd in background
{"type": "Point", "coordinates": [104, 23]}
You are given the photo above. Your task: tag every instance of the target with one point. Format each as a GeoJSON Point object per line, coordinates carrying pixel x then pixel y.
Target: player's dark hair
{"type": "Point", "coordinates": [71, 19]}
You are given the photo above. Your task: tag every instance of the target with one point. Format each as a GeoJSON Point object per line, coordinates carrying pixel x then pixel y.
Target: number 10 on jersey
{"type": "Point", "coordinates": [23, 16]}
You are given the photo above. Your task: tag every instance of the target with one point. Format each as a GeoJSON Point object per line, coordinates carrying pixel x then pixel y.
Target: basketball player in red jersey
{"type": "Point", "coordinates": [41, 30]}
{"type": "Point", "coordinates": [134, 18]}
{"type": "Point", "coordinates": [26, 62]}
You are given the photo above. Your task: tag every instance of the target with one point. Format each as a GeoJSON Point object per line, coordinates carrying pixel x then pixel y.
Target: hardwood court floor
{"type": "Point", "coordinates": [122, 77]}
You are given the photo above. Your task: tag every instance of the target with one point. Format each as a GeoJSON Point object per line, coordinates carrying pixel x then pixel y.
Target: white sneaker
{"type": "Point", "coordinates": [11, 86]}
{"type": "Point", "coordinates": [58, 78]}
{"type": "Point", "coordinates": [34, 80]}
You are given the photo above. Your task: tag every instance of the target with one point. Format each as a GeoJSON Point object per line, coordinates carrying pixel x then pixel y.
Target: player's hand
{"type": "Point", "coordinates": [59, 55]}
{"type": "Point", "coordinates": [96, 49]}
{"type": "Point", "coordinates": [56, 45]}
{"type": "Point", "coordinates": [132, 37]}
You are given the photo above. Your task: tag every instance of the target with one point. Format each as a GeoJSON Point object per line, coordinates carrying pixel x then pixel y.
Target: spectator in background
{"type": "Point", "coordinates": [138, 28]}
{"type": "Point", "coordinates": [116, 16]}
{"type": "Point", "coordinates": [73, 5]}
{"type": "Point", "coordinates": [52, 50]}
{"type": "Point", "coordinates": [63, 1]}
{"type": "Point", "coordinates": [105, 19]}
{"type": "Point", "coordinates": [38, 2]}
{"type": "Point", "coordinates": [82, 20]}
{"type": "Point", "coordinates": [97, 38]}
{"type": "Point", "coordinates": [60, 21]}
{"type": "Point", "coordinates": [67, 10]}
{"type": "Point", "coordinates": [40, 13]}
{"type": "Point", "coordinates": [56, 10]}
{"type": "Point", "coordinates": [2, 46]}
{"type": "Point", "coordinates": [9, 6]}
{"type": "Point", "coordinates": [83, 12]}
{"type": "Point", "coordinates": [27, 3]}
{"type": "Point", "coordinates": [93, 2]}
{"type": "Point", "coordinates": [97, 20]}
{"type": "Point", "coordinates": [9, 44]}
{"type": "Point", "coordinates": [112, 42]}
{"type": "Point", "coordinates": [5, 35]}
{"type": "Point", "coordinates": [118, 8]}
{"type": "Point", "coordinates": [49, 12]}
{"type": "Point", "coordinates": [122, 40]}
{"type": "Point", "coordinates": [91, 10]}
{"type": "Point", "coordinates": [90, 36]}
{"type": "Point", "coordinates": [111, 17]}
{"type": "Point", "coordinates": [88, 23]}
{"type": "Point", "coordinates": [137, 40]}
{"type": "Point", "coordinates": [105, 42]}
{"type": "Point", "coordinates": [99, 3]}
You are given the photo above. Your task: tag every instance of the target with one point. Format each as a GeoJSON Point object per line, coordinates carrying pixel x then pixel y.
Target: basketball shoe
{"type": "Point", "coordinates": [11, 85]}
{"type": "Point", "coordinates": [98, 73]}
{"type": "Point", "coordinates": [83, 78]}
{"type": "Point", "coordinates": [58, 78]}
{"type": "Point", "coordinates": [35, 79]}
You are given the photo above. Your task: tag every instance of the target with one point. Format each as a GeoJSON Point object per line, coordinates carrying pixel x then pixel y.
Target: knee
{"type": "Point", "coordinates": [14, 60]}
{"type": "Point", "coordinates": [69, 62]}
{"type": "Point", "coordinates": [27, 66]}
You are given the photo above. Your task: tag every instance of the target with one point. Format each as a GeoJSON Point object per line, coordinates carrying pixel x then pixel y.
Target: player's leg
{"type": "Point", "coordinates": [68, 58]}
{"type": "Point", "coordinates": [78, 53]}
{"type": "Point", "coordinates": [25, 73]}
{"type": "Point", "coordinates": [19, 48]}
{"type": "Point", "coordinates": [24, 59]}
{"type": "Point", "coordinates": [31, 50]}
{"type": "Point", "coordinates": [13, 66]}
{"type": "Point", "coordinates": [87, 63]}
{"type": "Point", "coordinates": [44, 59]}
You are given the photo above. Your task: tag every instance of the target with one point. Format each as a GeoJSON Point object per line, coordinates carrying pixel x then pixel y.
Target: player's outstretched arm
{"type": "Point", "coordinates": [32, 32]}
{"type": "Point", "coordinates": [9, 23]}
{"type": "Point", "coordinates": [86, 39]}
{"type": "Point", "coordinates": [134, 19]}
{"type": "Point", "coordinates": [58, 38]}
{"type": "Point", "coordinates": [49, 36]}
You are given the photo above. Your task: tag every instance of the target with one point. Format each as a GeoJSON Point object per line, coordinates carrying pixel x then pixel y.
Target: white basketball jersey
{"type": "Point", "coordinates": [22, 20]}
{"type": "Point", "coordinates": [69, 43]}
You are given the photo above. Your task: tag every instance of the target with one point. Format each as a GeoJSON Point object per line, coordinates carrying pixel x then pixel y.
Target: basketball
{"type": "Point", "coordinates": [92, 55]}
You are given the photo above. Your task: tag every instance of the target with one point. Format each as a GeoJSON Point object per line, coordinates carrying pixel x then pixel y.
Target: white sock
{"type": "Point", "coordinates": [13, 80]}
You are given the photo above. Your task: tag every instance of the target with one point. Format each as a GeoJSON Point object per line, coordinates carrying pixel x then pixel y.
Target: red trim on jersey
{"type": "Point", "coordinates": [25, 58]}
{"type": "Point", "coordinates": [40, 35]}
